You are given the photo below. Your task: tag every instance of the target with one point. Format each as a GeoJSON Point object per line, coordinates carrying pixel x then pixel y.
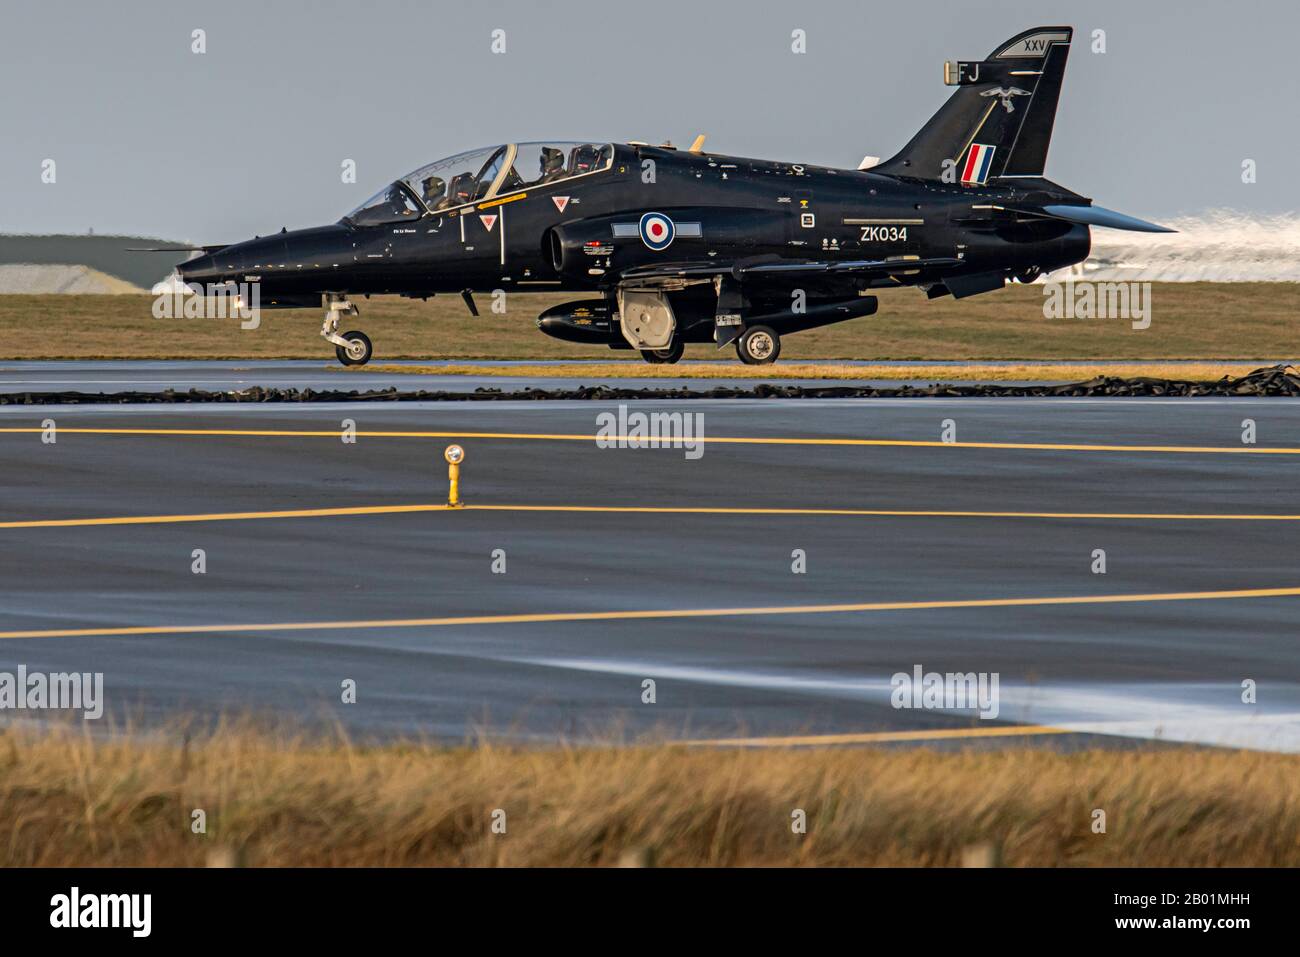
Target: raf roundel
{"type": "Point", "coordinates": [657, 231]}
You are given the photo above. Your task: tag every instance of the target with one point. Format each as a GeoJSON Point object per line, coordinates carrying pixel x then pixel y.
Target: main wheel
{"type": "Point", "coordinates": [358, 350]}
{"type": "Point", "coordinates": [758, 346]}
{"type": "Point", "coordinates": [664, 356]}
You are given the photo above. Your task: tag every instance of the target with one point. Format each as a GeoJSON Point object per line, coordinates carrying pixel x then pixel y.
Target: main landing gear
{"type": "Point", "coordinates": [353, 348]}
{"type": "Point", "coordinates": [758, 346]}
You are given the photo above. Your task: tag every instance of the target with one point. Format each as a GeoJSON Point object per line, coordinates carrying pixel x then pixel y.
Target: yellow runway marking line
{"type": "Point", "coordinates": [222, 516]}
{"type": "Point", "coordinates": [651, 614]}
{"type": "Point", "coordinates": [716, 439]}
{"type": "Point", "coordinates": [894, 513]}
{"type": "Point", "coordinates": [879, 737]}
{"type": "Point", "coordinates": [295, 513]}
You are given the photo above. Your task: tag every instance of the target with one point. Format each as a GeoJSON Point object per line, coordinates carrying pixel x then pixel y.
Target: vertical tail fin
{"type": "Point", "coordinates": [999, 121]}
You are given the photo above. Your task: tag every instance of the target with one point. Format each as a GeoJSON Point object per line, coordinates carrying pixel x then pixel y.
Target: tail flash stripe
{"type": "Point", "coordinates": [978, 163]}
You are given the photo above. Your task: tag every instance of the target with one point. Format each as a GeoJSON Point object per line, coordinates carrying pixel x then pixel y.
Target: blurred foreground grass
{"type": "Point", "coordinates": [66, 799]}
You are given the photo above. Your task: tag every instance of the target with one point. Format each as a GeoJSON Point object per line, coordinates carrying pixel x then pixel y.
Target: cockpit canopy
{"type": "Point", "coordinates": [477, 175]}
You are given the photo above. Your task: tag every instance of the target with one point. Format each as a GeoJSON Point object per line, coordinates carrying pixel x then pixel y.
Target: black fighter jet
{"type": "Point", "coordinates": [686, 246]}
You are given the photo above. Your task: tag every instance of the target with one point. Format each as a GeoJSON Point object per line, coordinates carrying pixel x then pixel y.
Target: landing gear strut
{"type": "Point", "coordinates": [352, 348]}
{"type": "Point", "coordinates": [758, 345]}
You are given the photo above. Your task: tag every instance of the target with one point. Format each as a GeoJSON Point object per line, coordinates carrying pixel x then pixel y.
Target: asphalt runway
{"type": "Point", "coordinates": [979, 559]}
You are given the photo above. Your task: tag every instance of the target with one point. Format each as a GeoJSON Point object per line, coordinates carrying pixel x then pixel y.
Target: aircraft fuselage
{"type": "Point", "coordinates": [534, 238]}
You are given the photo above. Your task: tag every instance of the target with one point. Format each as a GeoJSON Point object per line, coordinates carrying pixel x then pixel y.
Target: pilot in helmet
{"type": "Point", "coordinates": [552, 164]}
{"type": "Point", "coordinates": [433, 188]}
{"type": "Point", "coordinates": [397, 201]}
{"type": "Point", "coordinates": [584, 158]}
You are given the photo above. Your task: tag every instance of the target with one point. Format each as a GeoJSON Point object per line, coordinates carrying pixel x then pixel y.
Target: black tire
{"type": "Point", "coordinates": [360, 354]}
{"type": "Point", "coordinates": [758, 346]}
{"type": "Point", "coordinates": [664, 356]}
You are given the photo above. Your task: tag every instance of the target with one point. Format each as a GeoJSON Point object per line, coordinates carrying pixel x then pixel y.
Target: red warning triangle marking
{"type": "Point", "coordinates": [560, 202]}
{"type": "Point", "coordinates": [488, 220]}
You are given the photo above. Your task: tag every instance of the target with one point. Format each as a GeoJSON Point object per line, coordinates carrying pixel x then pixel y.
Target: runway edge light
{"type": "Point", "coordinates": [454, 456]}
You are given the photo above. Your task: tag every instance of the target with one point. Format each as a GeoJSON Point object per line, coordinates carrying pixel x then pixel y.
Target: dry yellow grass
{"type": "Point", "coordinates": [67, 800]}
{"type": "Point", "coordinates": [1199, 371]}
{"type": "Point", "coordinates": [1188, 321]}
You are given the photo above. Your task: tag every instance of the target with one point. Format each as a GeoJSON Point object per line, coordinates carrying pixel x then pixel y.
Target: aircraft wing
{"type": "Point", "coordinates": [776, 267]}
{"type": "Point", "coordinates": [856, 267]}
{"type": "Point", "coordinates": [177, 249]}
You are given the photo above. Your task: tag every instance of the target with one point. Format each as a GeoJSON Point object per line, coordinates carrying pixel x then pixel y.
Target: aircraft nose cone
{"type": "Point", "coordinates": [200, 269]}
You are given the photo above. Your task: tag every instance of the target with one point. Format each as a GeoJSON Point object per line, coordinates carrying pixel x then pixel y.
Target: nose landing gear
{"type": "Point", "coordinates": [352, 348]}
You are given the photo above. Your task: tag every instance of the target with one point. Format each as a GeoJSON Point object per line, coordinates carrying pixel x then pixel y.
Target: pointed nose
{"type": "Point", "coordinates": [200, 269]}
{"type": "Point", "coordinates": [220, 265]}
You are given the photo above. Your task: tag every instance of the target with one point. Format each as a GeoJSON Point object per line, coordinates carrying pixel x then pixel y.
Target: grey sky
{"type": "Point", "coordinates": [151, 138]}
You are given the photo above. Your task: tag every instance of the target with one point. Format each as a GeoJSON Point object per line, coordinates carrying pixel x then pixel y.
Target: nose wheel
{"type": "Point", "coordinates": [357, 351]}
{"type": "Point", "coordinates": [352, 348]}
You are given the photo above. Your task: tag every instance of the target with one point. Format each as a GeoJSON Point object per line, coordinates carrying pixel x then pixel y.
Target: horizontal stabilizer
{"type": "Point", "coordinates": [1100, 216]}
{"type": "Point", "coordinates": [1083, 215]}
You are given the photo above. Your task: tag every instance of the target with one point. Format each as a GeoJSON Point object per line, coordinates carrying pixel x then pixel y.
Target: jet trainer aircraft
{"type": "Point", "coordinates": [689, 246]}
